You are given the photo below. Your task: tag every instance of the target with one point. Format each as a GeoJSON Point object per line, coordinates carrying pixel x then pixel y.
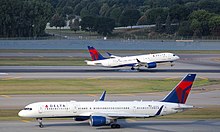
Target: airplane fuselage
{"type": "Point", "coordinates": [132, 60]}
{"type": "Point", "coordinates": [86, 109]}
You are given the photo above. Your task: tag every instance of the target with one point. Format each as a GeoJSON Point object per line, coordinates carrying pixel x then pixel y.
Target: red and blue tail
{"type": "Point", "coordinates": [180, 93]}
{"type": "Point", "coordinates": [95, 55]}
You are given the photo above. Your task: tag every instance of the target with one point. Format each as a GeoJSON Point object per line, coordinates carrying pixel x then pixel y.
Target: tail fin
{"type": "Point", "coordinates": [95, 55]}
{"type": "Point", "coordinates": [180, 93]}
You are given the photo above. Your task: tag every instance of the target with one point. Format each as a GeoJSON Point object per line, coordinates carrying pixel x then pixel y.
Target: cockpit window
{"type": "Point", "coordinates": [27, 108]}
{"type": "Point", "coordinates": [174, 55]}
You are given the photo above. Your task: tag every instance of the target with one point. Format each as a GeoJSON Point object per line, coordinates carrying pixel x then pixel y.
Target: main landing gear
{"type": "Point", "coordinates": [171, 64]}
{"type": "Point", "coordinates": [40, 122]}
{"type": "Point", "coordinates": [115, 126]}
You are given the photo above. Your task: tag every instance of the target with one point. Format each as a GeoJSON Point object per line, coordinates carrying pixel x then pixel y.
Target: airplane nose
{"type": "Point", "coordinates": [177, 57]}
{"type": "Point", "coordinates": [21, 113]}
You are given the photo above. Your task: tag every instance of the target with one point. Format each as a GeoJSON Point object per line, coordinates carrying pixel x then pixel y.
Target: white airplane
{"type": "Point", "coordinates": [148, 60]}
{"type": "Point", "coordinates": [104, 113]}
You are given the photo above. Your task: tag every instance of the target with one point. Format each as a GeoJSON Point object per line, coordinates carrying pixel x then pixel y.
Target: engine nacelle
{"type": "Point", "coordinates": [81, 118]}
{"type": "Point", "coordinates": [99, 121]}
{"type": "Point", "coordinates": [151, 65]}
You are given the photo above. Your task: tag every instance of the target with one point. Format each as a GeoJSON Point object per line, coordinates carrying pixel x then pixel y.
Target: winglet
{"type": "Point", "coordinates": [102, 97]}
{"type": "Point", "coordinates": [109, 54]}
{"type": "Point", "coordinates": [180, 93]}
{"type": "Point", "coordinates": [95, 55]}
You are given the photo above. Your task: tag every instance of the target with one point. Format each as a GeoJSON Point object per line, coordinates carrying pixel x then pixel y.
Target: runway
{"type": "Point", "coordinates": [204, 66]}
{"type": "Point", "coordinates": [128, 126]}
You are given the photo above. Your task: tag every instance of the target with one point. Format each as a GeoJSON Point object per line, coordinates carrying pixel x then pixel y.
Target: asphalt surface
{"type": "Point", "coordinates": [128, 126]}
{"type": "Point", "coordinates": [205, 66]}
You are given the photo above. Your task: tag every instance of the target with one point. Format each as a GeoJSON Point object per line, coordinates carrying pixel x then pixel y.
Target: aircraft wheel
{"type": "Point", "coordinates": [41, 125]}
{"type": "Point", "coordinates": [118, 126]}
{"type": "Point", "coordinates": [115, 126]}
{"type": "Point", "coordinates": [132, 68]}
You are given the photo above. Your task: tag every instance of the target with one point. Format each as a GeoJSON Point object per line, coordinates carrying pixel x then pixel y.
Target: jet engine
{"type": "Point", "coordinates": [99, 121]}
{"type": "Point", "coordinates": [151, 65]}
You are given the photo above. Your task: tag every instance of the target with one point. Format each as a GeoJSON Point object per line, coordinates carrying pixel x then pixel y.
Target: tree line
{"type": "Point", "coordinates": [179, 17]}
{"type": "Point", "coordinates": [24, 18]}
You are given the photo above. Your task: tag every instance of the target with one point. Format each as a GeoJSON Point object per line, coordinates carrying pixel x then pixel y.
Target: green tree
{"type": "Point", "coordinates": [84, 12]}
{"type": "Point", "coordinates": [158, 24]}
{"type": "Point", "coordinates": [214, 24]}
{"type": "Point", "coordinates": [154, 13]}
{"type": "Point", "coordinates": [24, 18]}
{"type": "Point", "coordinates": [179, 12]}
{"type": "Point", "coordinates": [104, 9]}
{"type": "Point", "coordinates": [115, 13]}
{"type": "Point", "coordinates": [74, 25]}
{"type": "Point", "coordinates": [129, 17]}
{"type": "Point", "coordinates": [184, 29]}
{"type": "Point", "coordinates": [168, 25]}
{"type": "Point", "coordinates": [104, 25]}
{"type": "Point", "coordinates": [142, 20]}
{"type": "Point", "coordinates": [200, 22]}
{"type": "Point", "coordinates": [88, 23]}
{"type": "Point", "coordinates": [57, 21]}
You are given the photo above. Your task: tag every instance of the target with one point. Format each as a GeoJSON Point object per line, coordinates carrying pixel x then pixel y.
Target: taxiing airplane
{"type": "Point", "coordinates": [104, 113]}
{"type": "Point", "coordinates": [148, 60]}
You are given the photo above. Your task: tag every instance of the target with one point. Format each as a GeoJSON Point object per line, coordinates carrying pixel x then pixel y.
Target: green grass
{"type": "Point", "coordinates": [42, 61]}
{"type": "Point", "coordinates": [201, 113]}
{"type": "Point", "coordinates": [90, 85]}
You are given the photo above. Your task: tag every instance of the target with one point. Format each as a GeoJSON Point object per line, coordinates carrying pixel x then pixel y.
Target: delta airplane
{"type": "Point", "coordinates": [106, 113]}
{"type": "Point", "coordinates": [148, 60]}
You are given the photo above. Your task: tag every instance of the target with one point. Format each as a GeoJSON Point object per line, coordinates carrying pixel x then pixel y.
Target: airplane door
{"type": "Point", "coordinates": [74, 108]}
{"type": "Point", "coordinates": [164, 111]}
{"type": "Point", "coordinates": [134, 108]}
{"type": "Point", "coordinates": [40, 109]}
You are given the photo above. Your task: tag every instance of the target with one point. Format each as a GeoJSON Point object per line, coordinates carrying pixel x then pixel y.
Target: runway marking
{"type": "Point", "coordinates": [10, 78]}
{"type": "Point", "coordinates": [92, 95]}
{"type": "Point", "coordinates": [6, 96]}
{"type": "Point", "coordinates": [25, 121]}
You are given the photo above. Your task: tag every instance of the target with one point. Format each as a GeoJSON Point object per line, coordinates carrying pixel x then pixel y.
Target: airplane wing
{"type": "Point", "coordinates": [127, 115]}
{"type": "Point", "coordinates": [150, 64]}
{"type": "Point", "coordinates": [139, 63]}
{"type": "Point", "coordinates": [111, 55]}
{"type": "Point", "coordinates": [121, 115]}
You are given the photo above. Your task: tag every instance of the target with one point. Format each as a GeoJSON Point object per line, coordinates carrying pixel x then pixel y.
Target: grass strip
{"type": "Point", "coordinates": [90, 85]}
{"type": "Point", "coordinates": [42, 61]}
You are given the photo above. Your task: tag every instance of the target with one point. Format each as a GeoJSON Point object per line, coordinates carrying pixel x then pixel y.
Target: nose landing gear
{"type": "Point", "coordinates": [40, 122]}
